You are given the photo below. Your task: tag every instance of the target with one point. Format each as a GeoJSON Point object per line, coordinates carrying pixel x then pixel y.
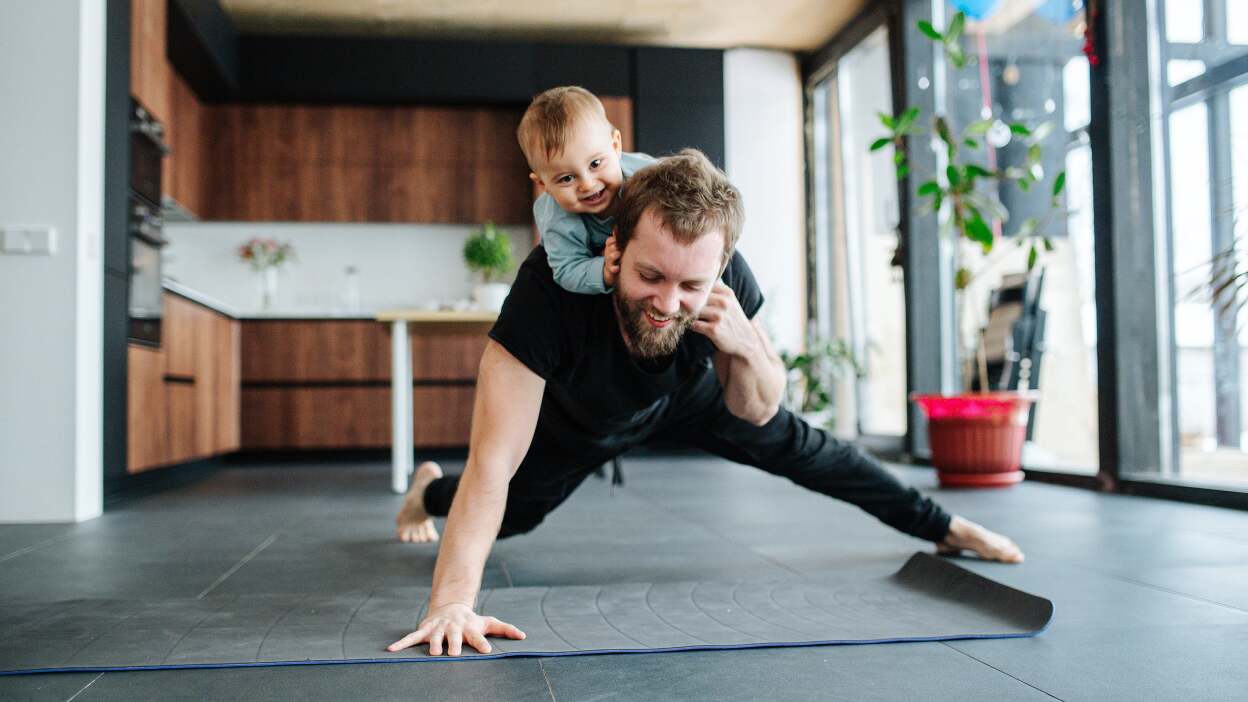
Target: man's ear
{"type": "Point", "coordinates": [727, 260]}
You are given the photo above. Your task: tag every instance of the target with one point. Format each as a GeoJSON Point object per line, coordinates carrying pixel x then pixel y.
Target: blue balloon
{"type": "Point", "coordinates": [1059, 11]}
{"type": "Point", "coordinates": [977, 9]}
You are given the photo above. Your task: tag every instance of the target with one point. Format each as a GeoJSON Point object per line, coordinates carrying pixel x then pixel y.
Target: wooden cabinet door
{"type": "Point", "coordinates": [180, 397]}
{"type": "Point", "coordinates": [453, 356]}
{"type": "Point", "coordinates": [178, 336]}
{"type": "Point", "coordinates": [184, 179]}
{"type": "Point", "coordinates": [147, 412]}
{"type": "Point", "coordinates": [313, 351]}
{"type": "Point", "coordinates": [203, 323]}
{"type": "Point", "coordinates": [442, 415]}
{"type": "Point", "coordinates": [315, 417]}
{"type": "Point", "coordinates": [149, 69]}
{"type": "Point", "coordinates": [344, 163]}
{"type": "Point", "coordinates": [226, 437]}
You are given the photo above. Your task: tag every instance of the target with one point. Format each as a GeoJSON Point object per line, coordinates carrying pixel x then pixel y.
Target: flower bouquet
{"type": "Point", "coordinates": [265, 256]}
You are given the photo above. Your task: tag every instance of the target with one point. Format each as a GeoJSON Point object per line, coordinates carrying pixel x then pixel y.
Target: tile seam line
{"type": "Point", "coordinates": [84, 688]}
{"type": "Point", "coordinates": [549, 688]}
{"type": "Point", "coordinates": [989, 665]}
{"type": "Point", "coordinates": [35, 547]}
{"type": "Point", "coordinates": [1177, 593]}
{"type": "Point", "coordinates": [1140, 583]}
{"type": "Point", "coordinates": [237, 566]}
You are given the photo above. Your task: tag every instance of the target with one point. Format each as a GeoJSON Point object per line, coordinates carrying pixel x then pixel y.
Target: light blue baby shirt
{"type": "Point", "coordinates": [573, 240]}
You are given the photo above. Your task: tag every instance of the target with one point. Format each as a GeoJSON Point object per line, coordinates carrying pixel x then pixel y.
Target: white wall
{"type": "Point", "coordinates": [400, 265]}
{"type": "Point", "coordinates": [764, 153]}
{"type": "Point", "coordinates": [51, 174]}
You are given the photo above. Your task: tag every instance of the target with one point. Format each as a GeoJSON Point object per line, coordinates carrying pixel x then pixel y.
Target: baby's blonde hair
{"type": "Point", "coordinates": [548, 123]}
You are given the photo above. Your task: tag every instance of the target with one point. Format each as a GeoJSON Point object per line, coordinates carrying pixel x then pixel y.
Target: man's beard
{"type": "Point", "coordinates": [644, 340]}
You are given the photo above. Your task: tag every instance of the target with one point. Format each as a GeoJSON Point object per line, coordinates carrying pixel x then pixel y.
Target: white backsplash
{"type": "Point", "coordinates": [400, 265]}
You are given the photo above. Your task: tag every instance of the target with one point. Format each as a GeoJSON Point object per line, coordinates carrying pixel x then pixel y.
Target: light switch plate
{"type": "Point", "coordinates": [28, 240]}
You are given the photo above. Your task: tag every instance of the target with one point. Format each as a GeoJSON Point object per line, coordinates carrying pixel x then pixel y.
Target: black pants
{"type": "Point", "coordinates": [561, 457]}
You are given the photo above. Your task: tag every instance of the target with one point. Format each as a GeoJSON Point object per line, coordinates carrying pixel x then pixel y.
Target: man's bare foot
{"type": "Point", "coordinates": [988, 545]}
{"type": "Point", "coordinates": [414, 524]}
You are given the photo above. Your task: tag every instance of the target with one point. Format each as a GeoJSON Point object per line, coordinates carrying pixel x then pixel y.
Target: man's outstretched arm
{"type": "Point", "coordinates": [504, 417]}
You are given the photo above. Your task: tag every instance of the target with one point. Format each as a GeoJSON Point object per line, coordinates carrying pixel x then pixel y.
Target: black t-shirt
{"type": "Point", "coordinates": [574, 342]}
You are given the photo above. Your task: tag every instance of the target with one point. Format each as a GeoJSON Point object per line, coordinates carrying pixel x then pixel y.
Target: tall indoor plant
{"type": "Point", "coordinates": [488, 253]}
{"type": "Point", "coordinates": [976, 437]}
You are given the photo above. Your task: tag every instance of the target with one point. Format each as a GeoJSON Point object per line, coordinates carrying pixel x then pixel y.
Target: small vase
{"type": "Point", "coordinates": [267, 282]}
{"type": "Point", "coordinates": [490, 296]}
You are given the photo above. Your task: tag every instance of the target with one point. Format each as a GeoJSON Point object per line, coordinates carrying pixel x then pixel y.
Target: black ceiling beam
{"type": "Point", "coordinates": [202, 45]}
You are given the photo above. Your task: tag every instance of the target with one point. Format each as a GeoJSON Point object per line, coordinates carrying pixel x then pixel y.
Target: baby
{"type": "Point", "coordinates": [576, 156]}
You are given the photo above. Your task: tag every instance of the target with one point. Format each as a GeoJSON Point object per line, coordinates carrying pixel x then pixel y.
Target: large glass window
{"type": "Point", "coordinates": [876, 310]}
{"type": "Point", "coordinates": [1025, 64]}
{"type": "Point", "coordinates": [861, 298]}
{"type": "Point", "coordinates": [1205, 147]}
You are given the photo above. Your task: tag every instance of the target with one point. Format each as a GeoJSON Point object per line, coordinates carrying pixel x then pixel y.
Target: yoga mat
{"type": "Point", "coordinates": [928, 599]}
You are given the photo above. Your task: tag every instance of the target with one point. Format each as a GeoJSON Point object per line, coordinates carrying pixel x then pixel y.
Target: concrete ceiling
{"type": "Point", "coordinates": [797, 25]}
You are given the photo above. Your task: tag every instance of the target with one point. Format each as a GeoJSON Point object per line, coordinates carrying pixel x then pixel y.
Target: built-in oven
{"type": "Point", "coordinates": [145, 225]}
{"type": "Point", "coordinates": [146, 293]}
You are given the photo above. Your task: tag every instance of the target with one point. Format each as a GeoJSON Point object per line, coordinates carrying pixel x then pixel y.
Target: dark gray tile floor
{"type": "Point", "coordinates": [1151, 597]}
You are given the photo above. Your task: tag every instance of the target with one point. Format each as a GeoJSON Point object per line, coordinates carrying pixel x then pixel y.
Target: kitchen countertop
{"type": "Point", "coordinates": [416, 315]}
{"type": "Point", "coordinates": [193, 295]}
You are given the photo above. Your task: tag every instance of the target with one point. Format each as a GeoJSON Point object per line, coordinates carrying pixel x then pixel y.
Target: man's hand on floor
{"type": "Point", "coordinates": [457, 624]}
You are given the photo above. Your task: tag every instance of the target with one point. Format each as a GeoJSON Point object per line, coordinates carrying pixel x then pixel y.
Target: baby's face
{"type": "Point", "coordinates": [586, 177]}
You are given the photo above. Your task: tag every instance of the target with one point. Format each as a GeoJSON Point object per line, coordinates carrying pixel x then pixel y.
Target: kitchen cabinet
{"type": "Point", "coordinates": [325, 417]}
{"type": "Point", "coordinates": [225, 425]}
{"type": "Point", "coordinates": [178, 341]}
{"type": "Point", "coordinates": [184, 396]}
{"type": "Point", "coordinates": [326, 383]}
{"type": "Point", "coordinates": [294, 352]}
{"type": "Point", "coordinates": [335, 163]}
{"type": "Point", "coordinates": [147, 413]}
{"type": "Point", "coordinates": [159, 88]}
{"type": "Point", "coordinates": [149, 69]}
{"type": "Point", "coordinates": [184, 170]}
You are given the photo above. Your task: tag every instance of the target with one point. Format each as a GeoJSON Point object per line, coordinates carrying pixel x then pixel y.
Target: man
{"type": "Point", "coordinates": [569, 381]}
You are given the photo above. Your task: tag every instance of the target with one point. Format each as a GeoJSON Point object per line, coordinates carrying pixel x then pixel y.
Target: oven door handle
{"type": "Point", "coordinates": [154, 133]}
{"type": "Point", "coordinates": [150, 233]}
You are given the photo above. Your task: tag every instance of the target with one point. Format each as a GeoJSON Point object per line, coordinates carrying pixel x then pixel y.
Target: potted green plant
{"type": "Point", "coordinates": [812, 378]}
{"type": "Point", "coordinates": [488, 253]}
{"type": "Point", "coordinates": [976, 438]}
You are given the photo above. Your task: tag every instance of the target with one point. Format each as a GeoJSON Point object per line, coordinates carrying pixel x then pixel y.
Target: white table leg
{"type": "Point", "coordinates": [401, 449]}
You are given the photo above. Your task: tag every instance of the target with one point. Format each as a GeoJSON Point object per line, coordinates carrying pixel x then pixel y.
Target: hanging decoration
{"type": "Point", "coordinates": [1059, 11]}
{"type": "Point", "coordinates": [1092, 15]}
{"type": "Point", "coordinates": [977, 9]}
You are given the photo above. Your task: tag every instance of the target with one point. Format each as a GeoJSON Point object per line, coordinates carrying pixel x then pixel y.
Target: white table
{"type": "Point", "coordinates": [402, 448]}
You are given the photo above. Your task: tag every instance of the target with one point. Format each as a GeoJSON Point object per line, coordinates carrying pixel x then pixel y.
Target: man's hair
{"type": "Point", "coordinates": [689, 195]}
{"type": "Point", "coordinates": [548, 123]}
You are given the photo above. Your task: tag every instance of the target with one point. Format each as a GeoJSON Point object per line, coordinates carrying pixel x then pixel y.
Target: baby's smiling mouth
{"type": "Point", "coordinates": [595, 198]}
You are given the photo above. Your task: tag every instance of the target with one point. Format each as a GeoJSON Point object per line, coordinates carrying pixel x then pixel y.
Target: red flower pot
{"type": "Point", "coordinates": [977, 438]}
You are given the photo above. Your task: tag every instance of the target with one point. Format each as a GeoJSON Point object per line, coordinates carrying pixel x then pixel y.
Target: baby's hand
{"type": "Point", "coordinates": [610, 262]}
